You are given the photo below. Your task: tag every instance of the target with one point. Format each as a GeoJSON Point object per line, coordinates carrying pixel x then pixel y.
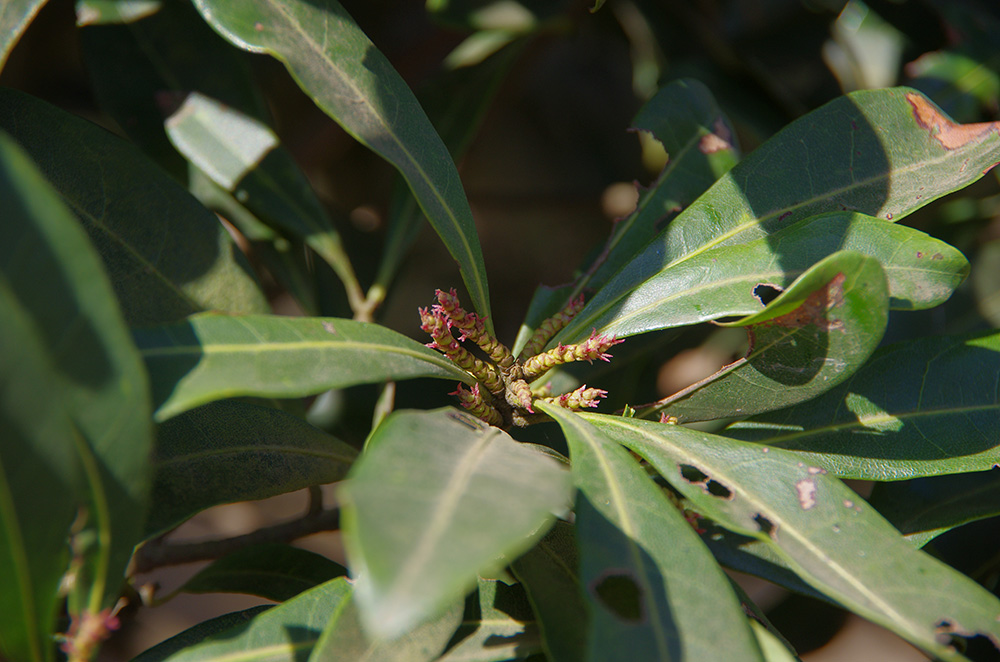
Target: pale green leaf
{"type": "Point", "coordinates": [436, 498]}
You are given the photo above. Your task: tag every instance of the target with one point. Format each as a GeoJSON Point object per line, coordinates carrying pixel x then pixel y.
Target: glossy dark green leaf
{"type": "Point", "coordinates": [210, 357]}
{"type": "Point", "coordinates": [456, 103]}
{"type": "Point", "coordinates": [922, 272]}
{"type": "Point", "coordinates": [647, 578]}
{"type": "Point", "coordinates": [811, 337]}
{"type": "Point", "coordinates": [274, 571]}
{"type": "Point", "coordinates": [437, 497]}
{"type": "Point", "coordinates": [924, 508]}
{"type": "Point", "coordinates": [550, 572]}
{"type": "Point", "coordinates": [234, 451]}
{"type": "Point", "coordinates": [501, 627]}
{"type": "Point", "coordinates": [74, 407]}
{"type": "Point", "coordinates": [167, 256]}
{"type": "Point", "coordinates": [338, 66]}
{"type": "Point", "coordinates": [883, 153]}
{"type": "Point", "coordinates": [700, 145]}
{"type": "Point", "coordinates": [820, 527]}
{"type": "Point", "coordinates": [917, 408]}
{"type": "Point", "coordinates": [284, 633]}
{"type": "Point", "coordinates": [198, 634]}
{"type": "Point", "coordinates": [344, 638]}
{"type": "Point", "coordinates": [15, 15]}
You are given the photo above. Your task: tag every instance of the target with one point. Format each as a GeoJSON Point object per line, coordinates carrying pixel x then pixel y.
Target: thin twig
{"type": "Point", "coordinates": [159, 553]}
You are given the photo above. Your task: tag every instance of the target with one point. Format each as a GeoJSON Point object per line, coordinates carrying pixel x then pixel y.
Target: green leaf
{"type": "Point", "coordinates": [922, 272]}
{"type": "Point", "coordinates": [883, 153]}
{"type": "Point", "coordinates": [700, 144]}
{"type": "Point", "coordinates": [243, 156]}
{"type": "Point", "coordinates": [917, 408]}
{"type": "Point", "coordinates": [175, 259]}
{"type": "Point", "coordinates": [234, 451]}
{"type": "Point", "coordinates": [456, 103]}
{"type": "Point", "coordinates": [551, 576]}
{"type": "Point", "coordinates": [74, 407]}
{"type": "Point", "coordinates": [15, 15]}
{"type": "Point", "coordinates": [820, 527]}
{"type": "Point", "coordinates": [341, 70]}
{"type": "Point", "coordinates": [811, 337]}
{"type": "Point", "coordinates": [199, 633]}
{"type": "Point", "coordinates": [437, 497]}
{"type": "Point", "coordinates": [502, 626]}
{"type": "Point", "coordinates": [210, 357]}
{"type": "Point", "coordinates": [924, 508]}
{"type": "Point", "coordinates": [648, 580]}
{"type": "Point", "coordinates": [285, 633]}
{"type": "Point", "coordinates": [345, 639]}
{"type": "Point", "coordinates": [274, 571]}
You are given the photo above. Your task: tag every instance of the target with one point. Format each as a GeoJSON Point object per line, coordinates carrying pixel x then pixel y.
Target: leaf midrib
{"type": "Point", "coordinates": [780, 524]}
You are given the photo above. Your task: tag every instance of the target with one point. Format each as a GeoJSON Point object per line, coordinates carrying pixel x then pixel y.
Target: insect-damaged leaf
{"type": "Point", "coordinates": [884, 153]}
{"type": "Point", "coordinates": [921, 271]}
{"type": "Point", "coordinates": [811, 337]}
{"type": "Point", "coordinates": [645, 575]}
{"type": "Point", "coordinates": [826, 534]}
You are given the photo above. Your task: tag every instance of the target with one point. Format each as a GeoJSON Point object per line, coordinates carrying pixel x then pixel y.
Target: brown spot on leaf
{"type": "Point", "coordinates": [942, 128]}
{"type": "Point", "coordinates": [711, 143]}
{"type": "Point", "coordinates": [806, 490]}
{"type": "Point", "coordinates": [812, 311]}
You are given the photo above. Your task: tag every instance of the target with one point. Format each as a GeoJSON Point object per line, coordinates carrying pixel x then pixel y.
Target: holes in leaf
{"type": "Point", "coordinates": [766, 525]}
{"type": "Point", "coordinates": [620, 595]}
{"type": "Point", "coordinates": [972, 645]}
{"type": "Point", "coordinates": [695, 476]}
{"type": "Point", "coordinates": [767, 293]}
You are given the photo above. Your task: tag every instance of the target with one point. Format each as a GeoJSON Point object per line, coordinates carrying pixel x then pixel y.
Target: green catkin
{"type": "Point", "coordinates": [592, 348]}
{"type": "Point", "coordinates": [550, 327]}
{"type": "Point", "coordinates": [581, 398]}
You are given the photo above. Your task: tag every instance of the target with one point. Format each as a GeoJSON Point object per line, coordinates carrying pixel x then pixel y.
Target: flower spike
{"type": "Point", "coordinates": [550, 327]}
{"type": "Point", "coordinates": [434, 323]}
{"type": "Point", "coordinates": [473, 327]}
{"type": "Point", "coordinates": [594, 347]}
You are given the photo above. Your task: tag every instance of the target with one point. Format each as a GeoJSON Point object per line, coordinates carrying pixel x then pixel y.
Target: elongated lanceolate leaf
{"type": "Point", "coordinates": [167, 256]}
{"type": "Point", "coordinates": [924, 508]}
{"type": "Point", "coordinates": [922, 272]}
{"type": "Point", "coordinates": [74, 410]}
{"type": "Point", "coordinates": [338, 66]}
{"type": "Point", "coordinates": [700, 147]}
{"type": "Point", "coordinates": [15, 15]}
{"type": "Point", "coordinates": [883, 153]}
{"type": "Point", "coordinates": [646, 576]}
{"type": "Point", "coordinates": [437, 497]}
{"type": "Point", "coordinates": [828, 536]}
{"type": "Point", "coordinates": [211, 357]}
{"type": "Point", "coordinates": [456, 103]}
{"type": "Point", "coordinates": [917, 408]}
{"type": "Point", "coordinates": [810, 338]}
{"type": "Point", "coordinates": [232, 451]}
{"type": "Point", "coordinates": [284, 633]}
{"type": "Point", "coordinates": [273, 570]}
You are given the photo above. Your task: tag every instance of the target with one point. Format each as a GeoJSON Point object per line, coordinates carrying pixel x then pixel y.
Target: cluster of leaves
{"type": "Point", "coordinates": [143, 380]}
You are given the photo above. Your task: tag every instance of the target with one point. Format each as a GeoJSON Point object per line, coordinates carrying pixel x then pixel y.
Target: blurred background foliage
{"type": "Point", "coordinates": [551, 165]}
